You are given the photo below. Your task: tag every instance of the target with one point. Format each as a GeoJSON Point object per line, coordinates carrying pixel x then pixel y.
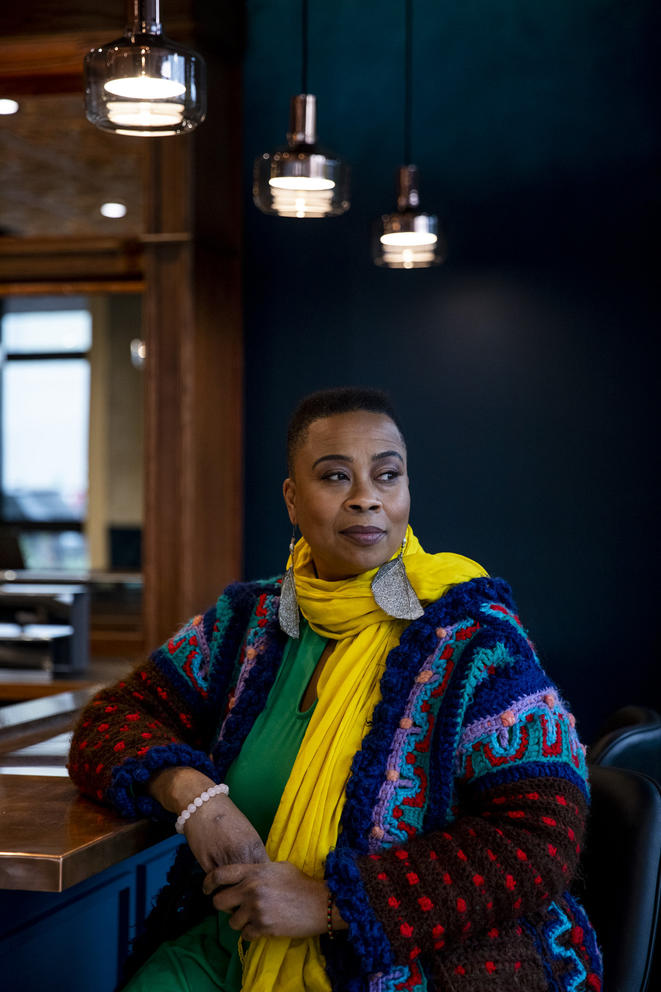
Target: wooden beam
{"type": "Point", "coordinates": [49, 17]}
{"type": "Point", "coordinates": [81, 287]}
{"type": "Point", "coordinates": [30, 261]}
{"type": "Point", "coordinates": [44, 42]}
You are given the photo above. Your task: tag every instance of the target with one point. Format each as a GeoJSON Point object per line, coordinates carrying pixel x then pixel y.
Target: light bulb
{"type": "Point", "coordinates": [306, 183]}
{"type": "Point", "coordinates": [407, 239]}
{"type": "Point", "coordinates": [145, 114]}
{"type": "Point", "coordinates": [114, 210]}
{"type": "Point", "coordinates": [144, 87]}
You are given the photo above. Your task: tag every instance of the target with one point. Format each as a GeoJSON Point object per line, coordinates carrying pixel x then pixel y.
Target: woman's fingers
{"type": "Point", "coordinates": [274, 899]}
{"type": "Point", "coordinates": [239, 921]}
{"type": "Point", "coordinates": [224, 875]}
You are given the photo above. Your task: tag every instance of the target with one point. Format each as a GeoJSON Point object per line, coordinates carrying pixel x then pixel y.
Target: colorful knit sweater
{"type": "Point", "coordinates": [465, 807]}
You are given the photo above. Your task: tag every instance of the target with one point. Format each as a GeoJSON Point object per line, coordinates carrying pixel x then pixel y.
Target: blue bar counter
{"type": "Point", "coordinates": [76, 880]}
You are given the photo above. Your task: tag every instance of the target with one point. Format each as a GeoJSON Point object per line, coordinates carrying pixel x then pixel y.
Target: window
{"type": "Point", "coordinates": [44, 416]}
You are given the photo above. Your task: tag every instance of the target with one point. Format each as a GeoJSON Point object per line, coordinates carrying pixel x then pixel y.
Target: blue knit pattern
{"type": "Point", "coordinates": [399, 980]}
{"type": "Point", "coordinates": [366, 934]}
{"type": "Point", "coordinates": [535, 728]}
{"type": "Point", "coordinates": [254, 673]}
{"type": "Point", "coordinates": [559, 925]}
{"type": "Point", "coordinates": [530, 769]}
{"type": "Point", "coordinates": [128, 779]}
{"type": "Point", "coordinates": [589, 937]}
{"type": "Point", "coordinates": [399, 812]}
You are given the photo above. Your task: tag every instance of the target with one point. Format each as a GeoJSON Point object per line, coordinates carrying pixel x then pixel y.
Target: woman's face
{"type": "Point", "coordinates": [349, 492]}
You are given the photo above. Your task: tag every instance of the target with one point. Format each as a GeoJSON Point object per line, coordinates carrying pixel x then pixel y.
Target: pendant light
{"type": "Point", "coordinates": [408, 238]}
{"type": "Point", "coordinates": [301, 179]}
{"type": "Point", "coordinates": [143, 83]}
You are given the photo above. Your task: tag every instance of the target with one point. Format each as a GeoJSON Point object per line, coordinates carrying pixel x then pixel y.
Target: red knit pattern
{"type": "Point", "coordinates": [514, 850]}
{"type": "Point", "coordinates": [125, 721]}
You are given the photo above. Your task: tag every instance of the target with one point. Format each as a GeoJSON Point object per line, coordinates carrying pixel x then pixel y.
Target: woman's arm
{"type": "Point", "coordinates": [132, 730]}
{"type": "Point", "coordinates": [165, 714]}
{"type": "Point", "coordinates": [513, 849]}
{"type": "Point", "coordinates": [217, 833]}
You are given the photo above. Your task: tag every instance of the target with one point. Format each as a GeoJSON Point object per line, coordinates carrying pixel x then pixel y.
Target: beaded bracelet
{"type": "Point", "coordinates": [216, 790]}
{"type": "Point", "coordinates": [329, 917]}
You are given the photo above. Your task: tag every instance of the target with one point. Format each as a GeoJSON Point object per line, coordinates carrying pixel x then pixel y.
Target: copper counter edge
{"type": "Point", "coordinates": [55, 873]}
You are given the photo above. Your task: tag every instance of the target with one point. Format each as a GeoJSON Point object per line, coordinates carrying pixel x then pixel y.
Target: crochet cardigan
{"type": "Point", "coordinates": [464, 810]}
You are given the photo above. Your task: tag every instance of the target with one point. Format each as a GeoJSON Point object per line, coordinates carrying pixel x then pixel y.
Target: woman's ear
{"type": "Point", "coordinates": [289, 493]}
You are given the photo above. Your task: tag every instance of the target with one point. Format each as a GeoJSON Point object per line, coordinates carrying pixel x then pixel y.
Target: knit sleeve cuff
{"type": "Point", "coordinates": [127, 790]}
{"type": "Point", "coordinates": [366, 935]}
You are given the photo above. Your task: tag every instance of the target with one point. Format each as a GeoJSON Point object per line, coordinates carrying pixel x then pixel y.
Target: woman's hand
{"type": "Point", "coordinates": [217, 832]}
{"type": "Point", "coordinates": [274, 899]}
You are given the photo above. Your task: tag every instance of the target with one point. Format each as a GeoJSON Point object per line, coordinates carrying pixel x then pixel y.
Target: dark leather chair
{"type": "Point", "coordinates": [621, 875]}
{"type": "Point", "coordinates": [631, 738]}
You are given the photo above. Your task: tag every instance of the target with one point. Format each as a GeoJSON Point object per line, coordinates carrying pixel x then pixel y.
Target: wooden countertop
{"type": "Point", "coordinates": [50, 836]}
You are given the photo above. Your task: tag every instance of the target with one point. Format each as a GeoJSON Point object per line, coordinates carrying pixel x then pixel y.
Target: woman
{"type": "Point", "coordinates": [406, 789]}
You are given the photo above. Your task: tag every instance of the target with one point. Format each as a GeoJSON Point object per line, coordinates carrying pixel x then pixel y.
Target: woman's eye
{"type": "Point", "coordinates": [389, 474]}
{"type": "Point", "coordinates": [337, 476]}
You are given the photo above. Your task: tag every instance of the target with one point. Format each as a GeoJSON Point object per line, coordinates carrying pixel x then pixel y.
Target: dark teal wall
{"type": "Point", "coordinates": [526, 367]}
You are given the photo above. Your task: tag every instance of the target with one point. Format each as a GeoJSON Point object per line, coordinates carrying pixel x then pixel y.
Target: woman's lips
{"type": "Point", "coordinates": [364, 536]}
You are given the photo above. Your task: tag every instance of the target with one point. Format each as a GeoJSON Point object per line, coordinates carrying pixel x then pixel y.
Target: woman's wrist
{"type": "Point", "coordinates": [197, 803]}
{"type": "Point", "coordinates": [175, 788]}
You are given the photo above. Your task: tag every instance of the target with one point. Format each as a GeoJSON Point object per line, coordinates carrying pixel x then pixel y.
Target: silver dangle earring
{"type": "Point", "coordinates": [288, 615]}
{"type": "Point", "coordinates": [393, 592]}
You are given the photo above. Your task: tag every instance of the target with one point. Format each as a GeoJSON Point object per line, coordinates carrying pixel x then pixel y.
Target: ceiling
{"type": "Point", "coordinates": [56, 169]}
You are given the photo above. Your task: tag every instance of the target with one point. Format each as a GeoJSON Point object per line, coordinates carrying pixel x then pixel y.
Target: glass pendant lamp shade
{"type": "Point", "coordinates": [301, 179]}
{"type": "Point", "coordinates": [143, 83]}
{"type": "Point", "coordinates": [408, 238]}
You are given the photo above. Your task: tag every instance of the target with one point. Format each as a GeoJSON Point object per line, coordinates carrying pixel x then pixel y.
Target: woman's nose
{"type": "Point", "coordinates": [363, 498]}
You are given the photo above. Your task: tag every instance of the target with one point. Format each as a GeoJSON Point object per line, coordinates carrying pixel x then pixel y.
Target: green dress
{"type": "Point", "coordinates": [206, 957]}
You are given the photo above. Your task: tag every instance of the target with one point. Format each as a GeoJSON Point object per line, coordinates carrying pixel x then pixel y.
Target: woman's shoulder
{"type": "Point", "coordinates": [224, 621]}
{"type": "Point", "coordinates": [252, 589]}
{"type": "Point", "coordinates": [240, 599]}
{"type": "Point", "coordinates": [483, 595]}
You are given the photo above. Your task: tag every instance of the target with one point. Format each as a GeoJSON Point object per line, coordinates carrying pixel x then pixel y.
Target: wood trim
{"type": "Point", "coordinates": [62, 288]}
{"type": "Point", "coordinates": [100, 261]}
{"type": "Point", "coordinates": [47, 63]}
{"type": "Point", "coordinates": [35, 247]}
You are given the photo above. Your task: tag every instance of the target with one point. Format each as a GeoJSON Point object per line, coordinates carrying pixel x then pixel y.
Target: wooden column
{"type": "Point", "coordinates": [194, 370]}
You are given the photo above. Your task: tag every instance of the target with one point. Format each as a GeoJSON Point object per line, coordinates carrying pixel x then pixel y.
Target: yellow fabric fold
{"type": "Point", "coordinates": [306, 823]}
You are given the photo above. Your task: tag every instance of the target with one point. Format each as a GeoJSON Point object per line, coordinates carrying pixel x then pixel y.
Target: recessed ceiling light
{"type": "Point", "coordinates": [113, 209]}
{"type": "Point", "coordinates": [8, 107]}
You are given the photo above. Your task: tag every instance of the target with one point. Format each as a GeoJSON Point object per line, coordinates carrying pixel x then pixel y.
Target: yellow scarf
{"type": "Point", "coordinates": [306, 823]}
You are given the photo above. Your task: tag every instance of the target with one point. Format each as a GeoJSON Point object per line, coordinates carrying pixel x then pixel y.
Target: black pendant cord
{"type": "Point", "coordinates": [304, 46]}
{"type": "Point", "coordinates": [408, 78]}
